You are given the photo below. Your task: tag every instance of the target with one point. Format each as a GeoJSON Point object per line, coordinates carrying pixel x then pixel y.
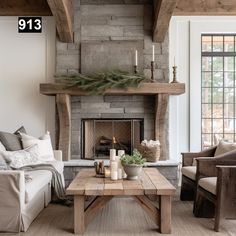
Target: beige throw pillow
{"type": "Point", "coordinates": [224, 147]}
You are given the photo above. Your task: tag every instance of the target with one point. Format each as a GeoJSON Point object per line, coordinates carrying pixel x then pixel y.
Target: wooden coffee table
{"type": "Point", "coordinates": [151, 182]}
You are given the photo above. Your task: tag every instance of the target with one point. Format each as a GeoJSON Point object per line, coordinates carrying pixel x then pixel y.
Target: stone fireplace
{"type": "Point", "coordinates": [106, 36]}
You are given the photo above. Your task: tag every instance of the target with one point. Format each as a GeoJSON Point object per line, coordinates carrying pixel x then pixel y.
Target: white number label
{"type": "Point", "coordinates": [30, 24]}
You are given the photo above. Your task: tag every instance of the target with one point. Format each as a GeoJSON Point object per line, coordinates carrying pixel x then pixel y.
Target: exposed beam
{"type": "Point", "coordinates": [163, 10]}
{"type": "Point", "coordinates": [62, 10]}
{"type": "Point", "coordinates": [205, 7]}
{"type": "Point", "coordinates": [24, 8]}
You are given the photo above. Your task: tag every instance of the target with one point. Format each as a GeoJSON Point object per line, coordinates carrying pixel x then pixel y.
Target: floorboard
{"type": "Point", "coordinates": [123, 216]}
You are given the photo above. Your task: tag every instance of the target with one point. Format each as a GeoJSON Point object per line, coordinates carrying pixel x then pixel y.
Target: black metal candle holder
{"type": "Point", "coordinates": [135, 69]}
{"type": "Point", "coordinates": [152, 71]}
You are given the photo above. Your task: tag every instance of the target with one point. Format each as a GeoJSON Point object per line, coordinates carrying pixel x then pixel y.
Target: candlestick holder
{"type": "Point", "coordinates": [174, 75]}
{"type": "Point", "coordinates": [152, 71]}
{"type": "Point", "coordinates": [135, 69]}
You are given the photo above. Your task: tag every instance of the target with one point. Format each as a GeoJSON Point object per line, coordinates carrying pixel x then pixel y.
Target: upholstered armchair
{"type": "Point", "coordinates": [189, 171]}
{"type": "Point", "coordinates": [216, 193]}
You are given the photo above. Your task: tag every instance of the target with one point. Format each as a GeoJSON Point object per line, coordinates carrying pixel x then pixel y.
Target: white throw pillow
{"type": "Point", "coordinates": [2, 147]}
{"type": "Point", "coordinates": [20, 158]}
{"type": "Point", "coordinates": [44, 145]}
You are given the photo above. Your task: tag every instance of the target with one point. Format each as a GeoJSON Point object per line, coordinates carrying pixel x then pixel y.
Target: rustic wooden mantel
{"type": "Point", "coordinates": [161, 91]}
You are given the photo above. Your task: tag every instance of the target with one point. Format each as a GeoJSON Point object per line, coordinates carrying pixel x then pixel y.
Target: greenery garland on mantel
{"type": "Point", "coordinates": [99, 82]}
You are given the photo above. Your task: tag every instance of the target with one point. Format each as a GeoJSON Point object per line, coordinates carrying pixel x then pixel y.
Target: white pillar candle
{"type": "Point", "coordinates": [121, 152]}
{"type": "Point", "coordinates": [114, 175]}
{"type": "Point", "coordinates": [112, 154]}
{"type": "Point", "coordinates": [107, 173]}
{"type": "Point", "coordinates": [118, 161]}
{"type": "Point", "coordinates": [153, 52]}
{"type": "Point", "coordinates": [136, 58]}
{"type": "Point", "coordinates": [120, 173]}
{"type": "Point", "coordinates": [114, 166]}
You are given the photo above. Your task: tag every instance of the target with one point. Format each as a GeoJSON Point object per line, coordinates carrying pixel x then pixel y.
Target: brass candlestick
{"type": "Point", "coordinates": [135, 69]}
{"type": "Point", "coordinates": [174, 75]}
{"type": "Point", "coordinates": [152, 71]}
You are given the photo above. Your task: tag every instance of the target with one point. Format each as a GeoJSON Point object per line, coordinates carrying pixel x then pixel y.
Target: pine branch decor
{"type": "Point", "coordinates": [99, 82]}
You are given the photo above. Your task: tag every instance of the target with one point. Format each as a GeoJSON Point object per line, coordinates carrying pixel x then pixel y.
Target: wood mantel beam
{"type": "Point", "coordinates": [24, 8]}
{"type": "Point", "coordinates": [62, 10]}
{"type": "Point", "coordinates": [163, 10]}
{"type": "Point", "coordinates": [205, 7]}
{"type": "Point", "coordinates": [142, 89]}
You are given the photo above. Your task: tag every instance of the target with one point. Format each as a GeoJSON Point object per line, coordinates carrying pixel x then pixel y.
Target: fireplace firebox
{"type": "Point", "coordinates": [100, 135]}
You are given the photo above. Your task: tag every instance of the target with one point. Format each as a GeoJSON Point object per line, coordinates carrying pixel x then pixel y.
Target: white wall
{"type": "Point", "coordinates": [26, 60]}
{"type": "Point", "coordinates": [185, 46]}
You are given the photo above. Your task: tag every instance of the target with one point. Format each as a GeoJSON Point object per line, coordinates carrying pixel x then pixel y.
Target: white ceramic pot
{"type": "Point", "coordinates": [132, 171]}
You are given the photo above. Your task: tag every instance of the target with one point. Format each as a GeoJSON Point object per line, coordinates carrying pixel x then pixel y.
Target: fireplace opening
{"type": "Point", "coordinates": [100, 135]}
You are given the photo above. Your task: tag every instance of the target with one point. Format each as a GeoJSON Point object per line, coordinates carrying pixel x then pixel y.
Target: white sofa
{"type": "Point", "coordinates": [22, 201]}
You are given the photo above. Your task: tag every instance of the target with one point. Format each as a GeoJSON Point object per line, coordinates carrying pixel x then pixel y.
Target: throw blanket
{"type": "Point", "coordinates": [56, 178]}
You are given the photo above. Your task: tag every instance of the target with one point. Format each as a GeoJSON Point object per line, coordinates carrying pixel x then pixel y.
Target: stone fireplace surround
{"type": "Point", "coordinates": [110, 107]}
{"type": "Point", "coordinates": [154, 102]}
{"type": "Point", "coordinates": [103, 28]}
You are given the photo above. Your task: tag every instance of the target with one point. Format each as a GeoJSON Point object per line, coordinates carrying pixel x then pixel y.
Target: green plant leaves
{"type": "Point", "coordinates": [136, 159]}
{"type": "Point", "coordinates": [99, 82]}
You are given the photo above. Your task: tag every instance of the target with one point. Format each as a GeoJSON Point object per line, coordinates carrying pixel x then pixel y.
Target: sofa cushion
{"type": "Point", "coordinates": [208, 184]}
{"type": "Point", "coordinates": [40, 178]}
{"type": "Point", "coordinates": [20, 158]}
{"type": "Point", "coordinates": [12, 142]}
{"type": "Point", "coordinates": [189, 171]}
{"type": "Point", "coordinates": [3, 164]}
{"type": "Point", "coordinates": [224, 147]}
{"type": "Point", "coordinates": [2, 148]}
{"type": "Point", "coordinates": [44, 145]}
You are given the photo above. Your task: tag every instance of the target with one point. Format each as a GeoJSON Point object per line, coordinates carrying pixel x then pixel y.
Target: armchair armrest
{"type": "Point", "coordinates": [12, 191]}
{"type": "Point", "coordinates": [187, 157]}
{"type": "Point", "coordinates": [57, 155]}
{"type": "Point", "coordinates": [226, 179]}
{"type": "Point", "coordinates": [206, 166]}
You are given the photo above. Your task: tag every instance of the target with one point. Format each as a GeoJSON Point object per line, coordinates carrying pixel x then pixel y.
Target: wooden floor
{"type": "Point", "coordinates": [123, 216]}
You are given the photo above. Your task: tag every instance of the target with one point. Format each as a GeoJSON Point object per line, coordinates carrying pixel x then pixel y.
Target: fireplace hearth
{"type": "Point", "coordinates": [98, 136]}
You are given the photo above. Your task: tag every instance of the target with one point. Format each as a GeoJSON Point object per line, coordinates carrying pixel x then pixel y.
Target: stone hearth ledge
{"type": "Point", "coordinates": [90, 163]}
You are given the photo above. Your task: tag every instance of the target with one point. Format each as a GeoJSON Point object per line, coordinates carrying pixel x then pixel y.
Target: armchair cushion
{"type": "Point", "coordinates": [208, 184]}
{"type": "Point", "coordinates": [224, 147]}
{"type": "Point", "coordinates": [189, 171]}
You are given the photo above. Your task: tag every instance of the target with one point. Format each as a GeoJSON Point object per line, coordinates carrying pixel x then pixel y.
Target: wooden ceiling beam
{"type": "Point", "coordinates": [205, 7]}
{"type": "Point", "coordinates": [62, 10]}
{"type": "Point", "coordinates": [163, 10]}
{"type": "Point", "coordinates": [24, 8]}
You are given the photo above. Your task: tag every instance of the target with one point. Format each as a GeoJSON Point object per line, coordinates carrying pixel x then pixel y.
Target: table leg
{"type": "Point", "coordinates": [165, 214]}
{"type": "Point", "coordinates": [79, 222]}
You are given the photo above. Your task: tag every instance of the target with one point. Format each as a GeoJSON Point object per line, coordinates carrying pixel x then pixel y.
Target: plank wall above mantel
{"type": "Point", "coordinates": [143, 89]}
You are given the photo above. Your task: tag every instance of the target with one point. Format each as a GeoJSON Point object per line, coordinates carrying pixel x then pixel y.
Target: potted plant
{"type": "Point", "coordinates": [132, 164]}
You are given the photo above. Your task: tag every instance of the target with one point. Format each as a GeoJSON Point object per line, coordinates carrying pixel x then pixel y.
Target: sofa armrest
{"type": "Point", "coordinates": [12, 200]}
{"type": "Point", "coordinates": [187, 157]}
{"type": "Point", "coordinates": [57, 155]}
{"type": "Point", "coordinates": [206, 166]}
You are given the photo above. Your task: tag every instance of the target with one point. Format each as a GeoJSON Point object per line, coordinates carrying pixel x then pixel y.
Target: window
{"type": "Point", "coordinates": [218, 88]}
